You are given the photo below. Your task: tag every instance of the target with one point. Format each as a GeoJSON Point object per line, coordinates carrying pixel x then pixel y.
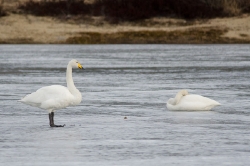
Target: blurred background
{"type": "Point", "coordinates": [124, 21]}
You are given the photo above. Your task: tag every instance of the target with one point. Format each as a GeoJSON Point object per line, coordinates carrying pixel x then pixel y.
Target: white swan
{"type": "Point", "coordinates": [190, 102]}
{"type": "Point", "coordinates": [56, 97]}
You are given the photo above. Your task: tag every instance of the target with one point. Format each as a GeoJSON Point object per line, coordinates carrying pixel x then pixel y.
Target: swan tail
{"type": "Point", "coordinates": [212, 106]}
{"type": "Point", "coordinates": [216, 103]}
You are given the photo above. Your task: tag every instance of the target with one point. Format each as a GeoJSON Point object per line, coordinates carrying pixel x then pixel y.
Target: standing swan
{"type": "Point", "coordinates": [56, 97]}
{"type": "Point", "coordinates": [190, 102]}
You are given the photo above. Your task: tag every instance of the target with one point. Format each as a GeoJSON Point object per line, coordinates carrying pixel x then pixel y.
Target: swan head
{"type": "Point", "coordinates": [183, 92]}
{"type": "Point", "coordinates": [75, 64]}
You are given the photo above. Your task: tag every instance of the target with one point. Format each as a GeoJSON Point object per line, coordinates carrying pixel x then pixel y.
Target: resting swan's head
{"type": "Point", "coordinates": [183, 92]}
{"type": "Point", "coordinates": [75, 64]}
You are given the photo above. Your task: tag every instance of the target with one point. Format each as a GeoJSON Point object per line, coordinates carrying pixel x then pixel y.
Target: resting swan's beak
{"type": "Point", "coordinates": [80, 66]}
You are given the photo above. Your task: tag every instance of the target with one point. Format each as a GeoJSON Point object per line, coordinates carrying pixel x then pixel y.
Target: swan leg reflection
{"type": "Point", "coordinates": [51, 121]}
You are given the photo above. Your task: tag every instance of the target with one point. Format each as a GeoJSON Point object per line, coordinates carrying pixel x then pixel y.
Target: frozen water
{"type": "Point", "coordinates": [133, 81]}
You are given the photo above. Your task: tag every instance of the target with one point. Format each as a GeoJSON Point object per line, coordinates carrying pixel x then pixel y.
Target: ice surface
{"type": "Point", "coordinates": [133, 81]}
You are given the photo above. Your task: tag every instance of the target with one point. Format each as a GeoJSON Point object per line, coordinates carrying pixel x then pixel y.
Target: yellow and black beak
{"type": "Point", "coordinates": [80, 66]}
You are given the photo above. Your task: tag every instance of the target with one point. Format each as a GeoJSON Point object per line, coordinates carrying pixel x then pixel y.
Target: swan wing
{"type": "Point", "coordinates": [199, 98]}
{"type": "Point", "coordinates": [49, 97]}
{"type": "Point", "coordinates": [196, 102]}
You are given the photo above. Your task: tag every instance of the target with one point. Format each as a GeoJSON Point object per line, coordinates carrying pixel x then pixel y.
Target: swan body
{"type": "Point", "coordinates": [51, 98]}
{"type": "Point", "coordinates": [190, 102]}
{"type": "Point", "coordinates": [55, 97]}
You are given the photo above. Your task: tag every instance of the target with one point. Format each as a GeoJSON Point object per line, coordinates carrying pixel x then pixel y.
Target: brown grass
{"type": "Point", "coordinates": [243, 35]}
{"type": "Point", "coordinates": [229, 7]}
{"type": "Point", "coordinates": [18, 41]}
{"type": "Point", "coordinates": [191, 36]}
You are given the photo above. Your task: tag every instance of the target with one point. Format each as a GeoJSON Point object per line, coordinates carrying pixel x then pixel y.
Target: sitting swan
{"type": "Point", "coordinates": [190, 102]}
{"type": "Point", "coordinates": [56, 97]}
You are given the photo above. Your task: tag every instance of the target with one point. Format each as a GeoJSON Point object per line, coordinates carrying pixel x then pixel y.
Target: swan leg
{"type": "Point", "coordinates": [51, 121]}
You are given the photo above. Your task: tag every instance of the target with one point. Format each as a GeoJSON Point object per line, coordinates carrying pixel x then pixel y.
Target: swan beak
{"type": "Point", "coordinates": [80, 66]}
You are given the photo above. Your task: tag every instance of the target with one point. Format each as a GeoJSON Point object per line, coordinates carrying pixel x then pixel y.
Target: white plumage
{"type": "Point", "coordinates": [56, 97]}
{"type": "Point", "coordinates": [190, 102]}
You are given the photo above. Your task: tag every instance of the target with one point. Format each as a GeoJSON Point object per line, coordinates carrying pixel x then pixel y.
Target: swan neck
{"type": "Point", "coordinates": [69, 79]}
{"type": "Point", "coordinates": [177, 98]}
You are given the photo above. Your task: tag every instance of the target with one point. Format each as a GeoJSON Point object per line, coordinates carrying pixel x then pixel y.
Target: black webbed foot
{"type": "Point", "coordinates": [53, 125]}
{"type": "Point", "coordinates": [51, 121]}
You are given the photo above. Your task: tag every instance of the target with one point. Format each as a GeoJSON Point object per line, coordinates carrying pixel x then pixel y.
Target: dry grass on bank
{"type": "Point", "coordinates": [231, 7]}
{"type": "Point", "coordinates": [203, 35]}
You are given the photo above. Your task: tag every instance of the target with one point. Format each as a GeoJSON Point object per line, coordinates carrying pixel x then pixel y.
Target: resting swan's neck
{"type": "Point", "coordinates": [69, 80]}
{"type": "Point", "coordinates": [177, 98]}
